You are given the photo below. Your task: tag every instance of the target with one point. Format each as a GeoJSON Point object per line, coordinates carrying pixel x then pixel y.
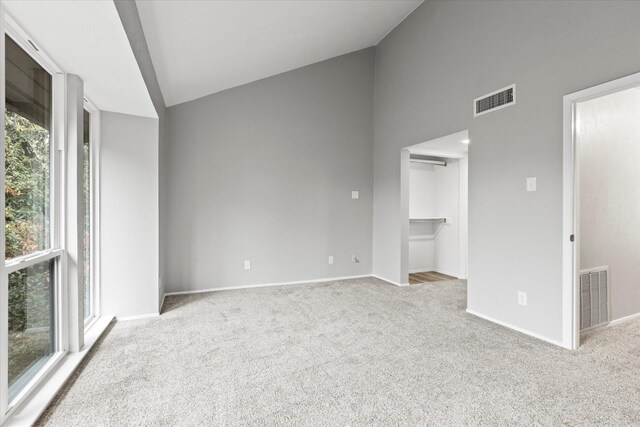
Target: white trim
{"type": "Point", "coordinates": [22, 262]}
{"type": "Point", "coordinates": [59, 140]}
{"type": "Point", "coordinates": [74, 201]}
{"type": "Point", "coordinates": [89, 322]}
{"type": "Point", "coordinates": [624, 319]}
{"type": "Point", "coordinates": [570, 208]}
{"type": "Point", "coordinates": [28, 410]}
{"type": "Point", "coordinates": [515, 328]}
{"type": "Point", "coordinates": [389, 281]}
{"type": "Point", "coordinates": [137, 317]}
{"type": "Point", "coordinates": [463, 216]}
{"type": "Point", "coordinates": [264, 285]}
{"type": "Point", "coordinates": [94, 206]}
{"type": "Point", "coordinates": [96, 187]}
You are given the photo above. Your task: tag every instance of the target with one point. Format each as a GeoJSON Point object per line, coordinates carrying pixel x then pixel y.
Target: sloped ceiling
{"type": "Point", "coordinates": [87, 38]}
{"type": "Point", "coordinates": [203, 47]}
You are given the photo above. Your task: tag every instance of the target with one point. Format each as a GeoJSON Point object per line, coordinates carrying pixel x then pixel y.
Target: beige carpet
{"type": "Point", "coordinates": [357, 352]}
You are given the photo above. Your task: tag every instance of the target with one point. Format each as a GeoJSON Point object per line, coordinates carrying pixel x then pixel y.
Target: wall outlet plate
{"type": "Point", "coordinates": [531, 183]}
{"type": "Point", "coordinates": [331, 259]}
{"type": "Point", "coordinates": [247, 264]}
{"type": "Point", "coordinates": [522, 298]}
{"type": "Point", "coordinates": [355, 194]}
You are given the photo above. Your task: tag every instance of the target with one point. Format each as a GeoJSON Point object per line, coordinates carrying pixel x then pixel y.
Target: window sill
{"type": "Point", "coordinates": [88, 324]}
{"type": "Point", "coordinates": [29, 410]}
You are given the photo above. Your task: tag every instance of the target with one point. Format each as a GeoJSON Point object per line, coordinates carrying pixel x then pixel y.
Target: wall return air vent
{"type": "Point", "coordinates": [594, 297]}
{"type": "Point", "coordinates": [494, 101]}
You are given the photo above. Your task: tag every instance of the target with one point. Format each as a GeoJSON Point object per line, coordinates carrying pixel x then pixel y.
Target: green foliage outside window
{"type": "Point", "coordinates": [27, 201]}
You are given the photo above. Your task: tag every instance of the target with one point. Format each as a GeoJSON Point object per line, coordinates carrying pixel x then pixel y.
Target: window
{"type": "Point", "coordinates": [31, 254]}
{"type": "Point", "coordinates": [86, 222]}
{"type": "Point", "coordinates": [88, 226]}
{"type": "Point", "coordinates": [41, 307]}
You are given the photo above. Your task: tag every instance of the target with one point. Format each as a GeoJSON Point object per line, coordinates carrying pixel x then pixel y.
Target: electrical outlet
{"type": "Point", "coordinates": [531, 183]}
{"type": "Point", "coordinates": [355, 194]}
{"type": "Point", "coordinates": [247, 264]}
{"type": "Point", "coordinates": [522, 298]}
{"type": "Point", "coordinates": [354, 258]}
{"type": "Point", "coordinates": [331, 259]}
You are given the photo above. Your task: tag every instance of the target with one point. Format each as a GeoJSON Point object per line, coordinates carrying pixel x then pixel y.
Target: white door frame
{"type": "Point", "coordinates": [570, 208]}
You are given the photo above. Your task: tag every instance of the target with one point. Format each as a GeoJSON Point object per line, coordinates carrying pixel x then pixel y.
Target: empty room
{"type": "Point", "coordinates": [320, 212]}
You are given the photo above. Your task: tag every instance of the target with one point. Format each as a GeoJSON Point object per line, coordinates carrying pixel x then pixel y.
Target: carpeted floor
{"type": "Point", "coordinates": [356, 352]}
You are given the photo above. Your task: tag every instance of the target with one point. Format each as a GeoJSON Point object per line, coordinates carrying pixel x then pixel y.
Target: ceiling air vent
{"type": "Point", "coordinates": [494, 101]}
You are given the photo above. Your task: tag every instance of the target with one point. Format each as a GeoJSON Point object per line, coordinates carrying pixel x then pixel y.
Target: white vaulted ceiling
{"type": "Point", "coordinates": [203, 47]}
{"type": "Point", "coordinates": [87, 38]}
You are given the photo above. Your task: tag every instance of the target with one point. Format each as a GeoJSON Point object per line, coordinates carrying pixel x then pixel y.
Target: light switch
{"type": "Point", "coordinates": [522, 298]}
{"type": "Point", "coordinates": [355, 194]}
{"type": "Point", "coordinates": [531, 183]}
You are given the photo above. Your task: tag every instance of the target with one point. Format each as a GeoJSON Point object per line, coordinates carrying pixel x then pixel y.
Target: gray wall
{"type": "Point", "coordinates": [608, 141]}
{"type": "Point", "coordinates": [428, 71]}
{"type": "Point", "coordinates": [129, 214]}
{"type": "Point", "coordinates": [264, 172]}
{"type": "Point", "coordinates": [130, 19]}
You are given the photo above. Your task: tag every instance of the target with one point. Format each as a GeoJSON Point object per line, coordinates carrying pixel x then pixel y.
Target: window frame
{"type": "Point", "coordinates": [94, 214]}
{"type": "Point", "coordinates": [56, 251]}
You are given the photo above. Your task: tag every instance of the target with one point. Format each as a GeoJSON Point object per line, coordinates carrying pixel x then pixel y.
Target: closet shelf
{"type": "Point", "coordinates": [429, 219]}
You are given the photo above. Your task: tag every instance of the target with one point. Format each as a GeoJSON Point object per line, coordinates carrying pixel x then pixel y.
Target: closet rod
{"type": "Point", "coordinates": [431, 162]}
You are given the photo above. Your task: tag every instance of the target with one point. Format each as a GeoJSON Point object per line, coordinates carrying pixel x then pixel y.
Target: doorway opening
{"type": "Point", "coordinates": [434, 207]}
{"type": "Point", "coordinates": [601, 231]}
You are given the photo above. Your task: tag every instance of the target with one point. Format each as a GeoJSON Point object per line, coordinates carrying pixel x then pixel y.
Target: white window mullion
{"type": "Point", "coordinates": [74, 209]}
{"type": "Point", "coordinates": [59, 237]}
{"type": "Point", "coordinates": [31, 260]}
{"type": "Point", "coordinates": [94, 210]}
{"type": "Point", "coordinates": [95, 206]}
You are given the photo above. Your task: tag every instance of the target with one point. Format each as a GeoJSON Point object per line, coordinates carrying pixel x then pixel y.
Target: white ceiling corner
{"type": "Point", "coordinates": [87, 38]}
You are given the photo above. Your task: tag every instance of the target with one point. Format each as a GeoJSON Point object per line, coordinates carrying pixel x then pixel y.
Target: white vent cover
{"type": "Point", "coordinates": [493, 101]}
{"type": "Point", "coordinates": [594, 297]}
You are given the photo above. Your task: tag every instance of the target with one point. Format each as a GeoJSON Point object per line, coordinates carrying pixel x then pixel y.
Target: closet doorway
{"type": "Point", "coordinates": [435, 208]}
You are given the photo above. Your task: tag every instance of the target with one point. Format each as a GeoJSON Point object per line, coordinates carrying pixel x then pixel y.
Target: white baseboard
{"type": "Point", "coordinates": [264, 285]}
{"type": "Point", "coordinates": [610, 323]}
{"type": "Point", "coordinates": [137, 317]}
{"type": "Point", "coordinates": [389, 281]}
{"type": "Point", "coordinates": [515, 328]}
{"type": "Point", "coordinates": [421, 270]}
{"type": "Point", "coordinates": [624, 319]}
